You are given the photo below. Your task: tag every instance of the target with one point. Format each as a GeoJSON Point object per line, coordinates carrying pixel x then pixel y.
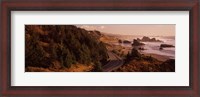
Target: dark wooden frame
{"type": "Point", "coordinates": [99, 5]}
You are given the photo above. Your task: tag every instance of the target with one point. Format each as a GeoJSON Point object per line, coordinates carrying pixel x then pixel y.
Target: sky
{"type": "Point", "coordinates": [134, 29]}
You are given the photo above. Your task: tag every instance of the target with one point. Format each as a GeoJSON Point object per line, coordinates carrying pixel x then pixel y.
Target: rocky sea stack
{"type": "Point", "coordinates": [137, 43]}
{"type": "Point", "coordinates": [165, 46]}
{"type": "Point", "coordinates": [147, 39]}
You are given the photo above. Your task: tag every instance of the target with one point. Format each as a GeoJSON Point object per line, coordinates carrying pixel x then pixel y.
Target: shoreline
{"type": "Point", "coordinates": [128, 49]}
{"type": "Point", "coordinates": [112, 46]}
{"type": "Point", "coordinates": [157, 56]}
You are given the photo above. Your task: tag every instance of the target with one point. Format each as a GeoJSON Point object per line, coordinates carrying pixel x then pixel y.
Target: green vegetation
{"type": "Point", "coordinates": [64, 44]}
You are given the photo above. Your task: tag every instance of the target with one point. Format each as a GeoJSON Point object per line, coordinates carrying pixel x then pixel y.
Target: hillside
{"type": "Point", "coordinates": [136, 62]}
{"type": "Point", "coordinates": [63, 48]}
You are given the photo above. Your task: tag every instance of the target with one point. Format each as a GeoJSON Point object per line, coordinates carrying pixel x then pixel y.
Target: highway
{"type": "Point", "coordinates": [114, 62]}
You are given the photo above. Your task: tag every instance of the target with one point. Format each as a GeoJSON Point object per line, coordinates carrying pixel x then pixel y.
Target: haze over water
{"type": "Point", "coordinates": [163, 32]}
{"type": "Point", "coordinates": [153, 47]}
{"type": "Point", "coordinates": [134, 29]}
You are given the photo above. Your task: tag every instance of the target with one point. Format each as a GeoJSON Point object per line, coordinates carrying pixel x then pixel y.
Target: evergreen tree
{"type": "Point", "coordinates": [35, 54]}
{"type": "Point", "coordinates": [97, 67]}
{"type": "Point", "coordinates": [67, 44]}
{"type": "Point", "coordinates": [68, 58]}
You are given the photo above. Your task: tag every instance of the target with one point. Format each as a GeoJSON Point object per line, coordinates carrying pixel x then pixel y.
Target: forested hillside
{"type": "Point", "coordinates": [55, 47]}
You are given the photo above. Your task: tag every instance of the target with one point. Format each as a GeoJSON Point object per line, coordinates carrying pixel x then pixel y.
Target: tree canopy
{"type": "Point", "coordinates": [66, 44]}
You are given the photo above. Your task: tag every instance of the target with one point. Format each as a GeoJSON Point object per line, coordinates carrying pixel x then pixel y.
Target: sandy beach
{"type": "Point", "coordinates": [158, 57]}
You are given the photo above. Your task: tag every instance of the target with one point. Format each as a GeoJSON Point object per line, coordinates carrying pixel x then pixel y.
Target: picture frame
{"type": "Point", "coordinates": [193, 90]}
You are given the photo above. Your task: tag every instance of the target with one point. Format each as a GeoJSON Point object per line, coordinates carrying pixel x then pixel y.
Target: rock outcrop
{"type": "Point", "coordinates": [137, 43]}
{"type": "Point", "coordinates": [124, 41]}
{"type": "Point", "coordinates": [166, 45]}
{"type": "Point", "coordinates": [147, 39]}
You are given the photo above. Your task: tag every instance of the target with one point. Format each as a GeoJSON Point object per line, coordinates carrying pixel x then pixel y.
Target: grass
{"type": "Point", "coordinates": [73, 68]}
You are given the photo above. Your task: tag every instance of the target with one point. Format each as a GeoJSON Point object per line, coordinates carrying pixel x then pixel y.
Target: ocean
{"type": "Point", "coordinates": [153, 47]}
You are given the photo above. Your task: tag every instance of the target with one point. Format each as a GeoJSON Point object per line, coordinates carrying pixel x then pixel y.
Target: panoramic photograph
{"type": "Point", "coordinates": [100, 48]}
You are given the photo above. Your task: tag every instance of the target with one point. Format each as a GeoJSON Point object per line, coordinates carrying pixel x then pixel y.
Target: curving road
{"type": "Point", "coordinates": [114, 62]}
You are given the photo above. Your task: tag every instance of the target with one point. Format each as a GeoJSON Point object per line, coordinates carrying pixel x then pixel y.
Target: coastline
{"type": "Point", "coordinates": [125, 50]}
{"type": "Point", "coordinates": [157, 56]}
